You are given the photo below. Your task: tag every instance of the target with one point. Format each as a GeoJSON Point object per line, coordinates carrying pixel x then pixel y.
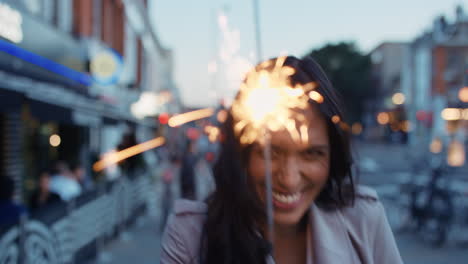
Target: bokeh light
{"type": "Point", "coordinates": [55, 140]}
{"type": "Point", "coordinates": [463, 94]}
{"type": "Point", "coordinates": [451, 114]}
{"type": "Point", "coordinates": [356, 128]}
{"type": "Point", "coordinates": [398, 98]}
{"type": "Point", "coordinates": [383, 118]}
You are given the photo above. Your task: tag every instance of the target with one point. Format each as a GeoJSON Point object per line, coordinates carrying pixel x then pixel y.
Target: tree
{"type": "Point", "coordinates": [350, 73]}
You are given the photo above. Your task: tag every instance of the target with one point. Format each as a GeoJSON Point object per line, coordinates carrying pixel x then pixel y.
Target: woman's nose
{"type": "Point", "coordinates": [289, 174]}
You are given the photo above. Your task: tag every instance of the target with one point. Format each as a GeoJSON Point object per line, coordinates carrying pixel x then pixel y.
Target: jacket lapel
{"type": "Point", "coordinates": [330, 241]}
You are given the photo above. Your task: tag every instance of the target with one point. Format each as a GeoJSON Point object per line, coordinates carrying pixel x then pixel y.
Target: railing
{"type": "Point", "coordinates": [72, 232]}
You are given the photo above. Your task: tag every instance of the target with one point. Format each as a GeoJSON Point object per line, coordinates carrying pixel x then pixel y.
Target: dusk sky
{"type": "Point", "coordinates": [190, 28]}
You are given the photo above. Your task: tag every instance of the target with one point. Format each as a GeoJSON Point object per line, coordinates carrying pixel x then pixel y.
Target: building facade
{"type": "Point", "coordinates": [73, 69]}
{"type": "Point", "coordinates": [434, 72]}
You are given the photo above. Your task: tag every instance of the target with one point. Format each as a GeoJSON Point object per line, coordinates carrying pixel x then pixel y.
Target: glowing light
{"type": "Point", "coordinates": [221, 116]}
{"type": "Point", "coordinates": [456, 154]}
{"type": "Point", "coordinates": [55, 140]}
{"type": "Point", "coordinates": [213, 133]}
{"type": "Point", "coordinates": [356, 128]}
{"type": "Point", "coordinates": [344, 126]}
{"type": "Point", "coordinates": [335, 119]}
{"type": "Point", "coordinates": [436, 145]}
{"type": "Point", "coordinates": [115, 157]}
{"type": "Point", "coordinates": [451, 114]}
{"type": "Point", "coordinates": [268, 102]}
{"type": "Point", "coordinates": [383, 118]}
{"type": "Point", "coordinates": [314, 95]}
{"type": "Point", "coordinates": [465, 114]}
{"type": "Point", "coordinates": [395, 127]}
{"type": "Point", "coordinates": [398, 98]}
{"type": "Point", "coordinates": [181, 119]}
{"type": "Point", "coordinates": [463, 94]}
{"type": "Point", "coordinates": [406, 126]}
{"type": "Point", "coordinates": [163, 118]}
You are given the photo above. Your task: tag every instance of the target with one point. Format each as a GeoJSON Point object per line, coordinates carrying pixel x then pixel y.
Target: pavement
{"type": "Point", "coordinates": [140, 244]}
{"type": "Point", "coordinates": [382, 165]}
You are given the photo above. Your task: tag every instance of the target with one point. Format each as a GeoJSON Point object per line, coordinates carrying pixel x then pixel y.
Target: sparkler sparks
{"type": "Point", "coordinates": [190, 116]}
{"type": "Point", "coordinates": [115, 157]}
{"type": "Point", "coordinates": [268, 102]}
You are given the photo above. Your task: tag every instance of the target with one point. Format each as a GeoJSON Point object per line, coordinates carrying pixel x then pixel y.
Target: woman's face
{"type": "Point", "coordinates": [299, 169]}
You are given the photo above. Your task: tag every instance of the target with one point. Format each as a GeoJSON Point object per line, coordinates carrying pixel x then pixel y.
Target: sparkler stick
{"type": "Point", "coordinates": [268, 186]}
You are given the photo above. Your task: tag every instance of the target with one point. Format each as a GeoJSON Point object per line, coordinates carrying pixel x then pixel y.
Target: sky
{"type": "Point", "coordinates": [190, 28]}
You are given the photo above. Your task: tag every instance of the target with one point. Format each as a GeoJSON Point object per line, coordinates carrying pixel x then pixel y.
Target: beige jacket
{"type": "Point", "coordinates": [358, 234]}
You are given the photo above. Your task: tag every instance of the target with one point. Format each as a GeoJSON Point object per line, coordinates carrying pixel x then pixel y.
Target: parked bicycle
{"type": "Point", "coordinates": [431, 202]}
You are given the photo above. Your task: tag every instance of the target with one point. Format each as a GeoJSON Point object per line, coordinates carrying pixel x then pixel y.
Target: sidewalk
{"type": "Point", "coordinates": [141, 243]}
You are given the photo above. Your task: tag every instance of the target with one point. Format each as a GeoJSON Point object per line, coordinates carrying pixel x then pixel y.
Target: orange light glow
{"type": "Point", "coordinates": [181, 119]}
{"type": "Point", "coordinates": [336, 119]}
{"type": "Point", "coordinates": [406, 126]}
{"type": "Point", "coordinates": [221, 116]}
{"type": "Point", "coordinates": [456, 154]}
{"type": "Point", "coordinates": [115, 157]}
{"type": "Point", "coordinates": [356, 128]}
{"type": "Point", "coordinates": [213, 133]}
{"type": "Point", "coordinates": [383, 118]}
{"type": "Point", "coordinates": [463, 94]}
{"type": "Point", "coordinates": [436, 145]}
{"type": "Point", "coordinates": [316, 96]}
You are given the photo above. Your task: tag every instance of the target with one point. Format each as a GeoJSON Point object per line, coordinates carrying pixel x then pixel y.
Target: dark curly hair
{"type": "Point", "coordinates": [235, 214]}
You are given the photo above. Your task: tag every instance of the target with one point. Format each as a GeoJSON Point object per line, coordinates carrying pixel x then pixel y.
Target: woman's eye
{"type": "Point", "coordinates": [275, 153]}
{"type": "Point", "coordinates": [313, 153]}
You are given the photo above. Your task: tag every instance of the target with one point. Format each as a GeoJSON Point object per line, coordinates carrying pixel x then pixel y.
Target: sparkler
{"type": "Point", "coordinates": [115, 157]}
{"type": "Point", "coordinates": [266, 102]}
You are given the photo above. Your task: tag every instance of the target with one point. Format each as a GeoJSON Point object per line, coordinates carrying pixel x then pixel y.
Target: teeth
{"type": "Point", "coordinates": [290, 198]}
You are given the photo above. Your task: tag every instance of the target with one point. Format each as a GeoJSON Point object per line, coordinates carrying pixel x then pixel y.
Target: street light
{"type": "Point", "coordinates": [398, 98]}
{"type": "Point", "coordinates": [463, 94]}
{"type": "Point", "coordinates": [55, 140]}
{"type": "Point", "coordinates": [383, 118]}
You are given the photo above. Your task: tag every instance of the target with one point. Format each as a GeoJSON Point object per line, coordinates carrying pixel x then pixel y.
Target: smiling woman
{"type": "Point", "coordinates": [319, 214]}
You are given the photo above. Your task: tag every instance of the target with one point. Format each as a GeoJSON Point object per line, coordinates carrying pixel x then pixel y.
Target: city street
{"type": "Point", "coordinates": [142, 241]}
{"type": "Point", "coordinates": [383, 165]}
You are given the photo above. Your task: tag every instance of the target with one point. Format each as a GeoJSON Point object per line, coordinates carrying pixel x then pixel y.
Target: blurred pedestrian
{"type": "Point", "coordinates": [187, 172]}
{"type": "Point", "coordinates": [319, 216]}
{"type": "Point", "coordinates": [79, 173]}
{"type": "Point", "coordinates": [42, 196]}
{"type": "Point", "coordinates": [168, 195]}
{"type": "Point", "coordinates": [130, 165]}
{"type": "Point", "coordinates": [10, 211]}
{"type": "Point", "coordinates": [63, 182]}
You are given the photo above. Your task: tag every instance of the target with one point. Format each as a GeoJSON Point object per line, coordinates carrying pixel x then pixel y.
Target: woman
{"type": "Point", "coordinates": [320, 216]}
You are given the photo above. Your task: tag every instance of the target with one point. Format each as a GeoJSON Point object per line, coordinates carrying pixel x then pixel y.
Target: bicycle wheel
{"type": "Point", "coordinates": [437, 220]}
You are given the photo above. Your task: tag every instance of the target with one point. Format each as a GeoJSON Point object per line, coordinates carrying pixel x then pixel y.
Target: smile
{"type": "Point", "coordinates": [286, 200]}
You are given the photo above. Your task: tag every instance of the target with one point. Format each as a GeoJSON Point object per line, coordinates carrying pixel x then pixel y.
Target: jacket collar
{"type": "Point", "coordinates": [330, 240]}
